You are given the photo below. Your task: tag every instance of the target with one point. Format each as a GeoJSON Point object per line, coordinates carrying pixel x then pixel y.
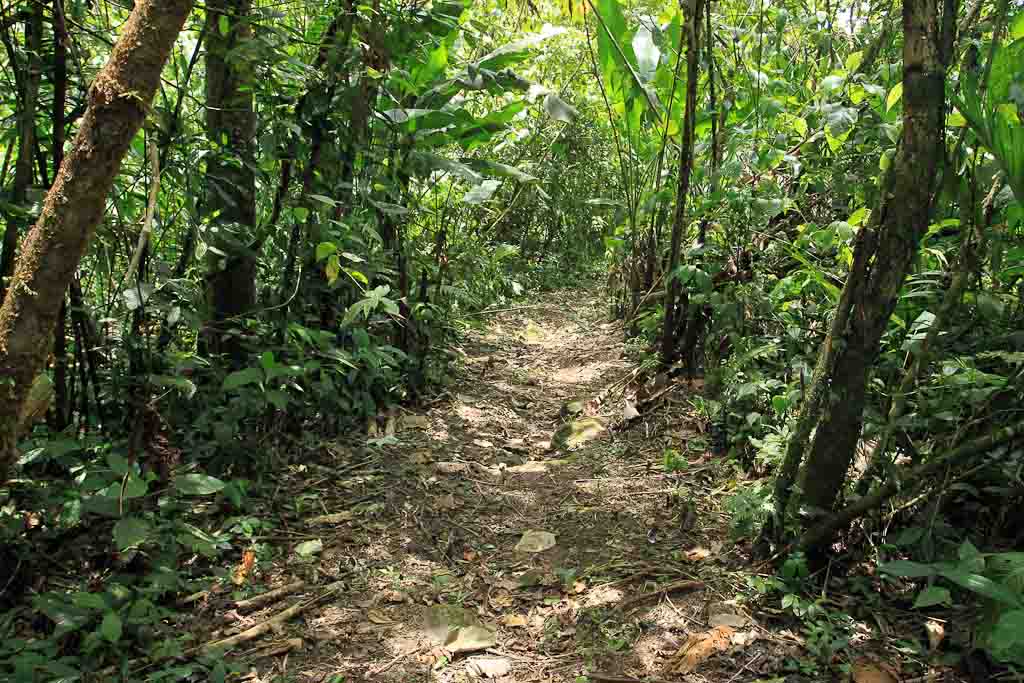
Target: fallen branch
{"type": "Point", "coordinates": [258, 630]}
{"type": "Point", "coordinates": [276, 649]}
{"type": "Point", "coordinates": [684, 585]}
{"type": "Point", "coordinates": [490, 311]}
{"type": "Point", "coordinates": [612, 678]}
{"type": "Point", "coordinates": [269, 597]}
{"type": "Point", "coordinates": [390, 663]}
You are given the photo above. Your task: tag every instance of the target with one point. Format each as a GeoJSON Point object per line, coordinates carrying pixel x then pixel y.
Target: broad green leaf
{"type": "Point", "coordinates": [309, 548]}
{"type": "Point", "coordinates": [278, 399]}
{"type": "Point", "coordinates": [241, 378]}
{"type": "Point", "coordinates": [130, 532]}
{"type": "Point", "coordinates": [184, 385]}
{"type": "Point", "coordinates": [325, 249]}
{"type": "Point", "coordinates": [984, 586]}
{"type": "Point", "coordinates": [223, 25]}
{"type": "Point", "coordinates": [110, 628]}
{"type": "Point", "coordinates": [323, 199]}
{"type": "Point", "coordinates": [433, 162]}
{"type": "Point", "coordinates": [931, 596]}
{"type": "Point", "coordinates": [967, 551]}
{"type": "Point", "coordinates": [907, 569]}
{"type": "Point", "coordinates": [493, 168]}
{"type": "Point", "coordinates": [853, 61]}
{"type": "Point", "coordinates": [894, 96]}
{"type": "Point", "coordinates": [1006, 639]}
{"type": "Point", "coordinates": [517, 50]}
{"type": "Point", "coordinates": [1007, 65]}
{"type": "Point", "coordinates": [1017, 27]}
{"type": "Point", "coordinates": [197, 484]}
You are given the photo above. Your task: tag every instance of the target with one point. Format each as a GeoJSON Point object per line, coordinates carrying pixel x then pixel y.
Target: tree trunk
{"type": "Point", "coordinates": [902, 220]}
{"type": "Point", "coordinates": [62, 407]}
{"type": "Point", "coordinates": [27, 101]}
{"type": "Point", "coordinates": [117, 105]}
{"type": "Point", "coordinates": [230, 201]}
{"type": "Point", "coordinates": [668, 349]}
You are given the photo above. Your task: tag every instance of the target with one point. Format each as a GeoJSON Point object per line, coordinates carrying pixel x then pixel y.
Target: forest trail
{"type": "Point", "coordinates": [428, 520]}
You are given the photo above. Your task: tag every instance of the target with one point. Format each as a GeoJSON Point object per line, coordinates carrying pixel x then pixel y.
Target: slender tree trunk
{"type": "Point", "coordinates": [902, 220]}
{"type": "Point", "coordinates": [117, 105]}
{"type": "Point", "coordinates": [230, 202]}
{"type": "Point", "coordinates": [23, 175]}
{"type": "Point", "coordinates": [62, 407]}
{"type": "Point", "coordinates": [668, 349]}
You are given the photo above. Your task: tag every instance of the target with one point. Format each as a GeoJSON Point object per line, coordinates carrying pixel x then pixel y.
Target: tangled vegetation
{"type": "Point", "coordinates": [238, 230]}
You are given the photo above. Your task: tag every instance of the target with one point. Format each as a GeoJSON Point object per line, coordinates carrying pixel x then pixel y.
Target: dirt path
{"type": "Point", "coordinates": [428, 518]}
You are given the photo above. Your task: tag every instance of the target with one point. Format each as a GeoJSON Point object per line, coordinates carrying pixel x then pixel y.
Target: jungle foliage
{"type": "Point", "coordinates": [284, 221]}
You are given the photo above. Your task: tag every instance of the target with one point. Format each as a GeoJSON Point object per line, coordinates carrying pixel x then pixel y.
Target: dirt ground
{"type": "Point", "coordinates": [412, 552]}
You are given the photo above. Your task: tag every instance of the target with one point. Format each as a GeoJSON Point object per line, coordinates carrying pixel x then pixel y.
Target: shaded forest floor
{"type": "Point", "coordinates": [414, 542]}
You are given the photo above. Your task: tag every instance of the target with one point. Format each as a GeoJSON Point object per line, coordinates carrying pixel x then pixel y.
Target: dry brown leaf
{"type": "Point", "coordinates": [867, 671]}
{"type": "Point", "coordinates": [336, 518]}
{"type": "Point", "coordinates": [697, 554]}
{"type": "Point", "coordinates": [378, 617]}
{"type": "Point", "coordinates": [936, 633]}
{"type": "Point", "coordinates": [241, 572]}
{"type": "Point", "coordinates": [513, 621]}
{"type": "Point", "coordinates": [469, 556]}
{"type": "Point", "coordinates": [501, 599]}
{"type": "Point", "coordinates": [489, 667]}
{"type": "Point", "coordinates": [415, 422]}
{"type": "Point", "coordinates": [699, 647]}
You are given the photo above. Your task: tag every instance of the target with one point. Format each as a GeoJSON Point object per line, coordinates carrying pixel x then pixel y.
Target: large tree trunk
{"type": "Point", "coordinates": [117, 105]}
{"type": "Point", "coordinates": [230, 201]}
{"type": "Point", "coordinates": [901, 221]}
{"type": "Point", "coordinates": [672, 308]}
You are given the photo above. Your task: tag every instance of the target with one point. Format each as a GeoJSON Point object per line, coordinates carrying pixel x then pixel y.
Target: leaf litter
{"type": "Point", "coordinates": [458, 541]}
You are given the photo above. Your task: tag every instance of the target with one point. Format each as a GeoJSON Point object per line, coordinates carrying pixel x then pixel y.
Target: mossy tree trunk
{"type": "Point", "coordinates": [836, 400]}
{"type": "Point", "coordinates": [117, 103]}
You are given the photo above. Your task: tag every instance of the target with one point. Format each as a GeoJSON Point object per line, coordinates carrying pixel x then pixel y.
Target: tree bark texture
{"type": "Point", "coordinates": [230, 202]}
{"type": "Point", "coordinates": [668, 349]}
{"type": "Point", "coordinates": [117, 104]}
{"type": "Point", "coordinates": [902, 221]}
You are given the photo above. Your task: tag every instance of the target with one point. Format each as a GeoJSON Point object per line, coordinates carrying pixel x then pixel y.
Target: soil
{"type": "Point", "coordinates": [643, 583]}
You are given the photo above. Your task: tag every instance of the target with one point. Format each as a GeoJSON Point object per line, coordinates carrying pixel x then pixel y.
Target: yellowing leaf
{"type": "Point", "coordinates": [894, 96]}
{"type": "Point", "coordinates": [853, 60]}
{"type": "Point", "coordinates": [514, 621]}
